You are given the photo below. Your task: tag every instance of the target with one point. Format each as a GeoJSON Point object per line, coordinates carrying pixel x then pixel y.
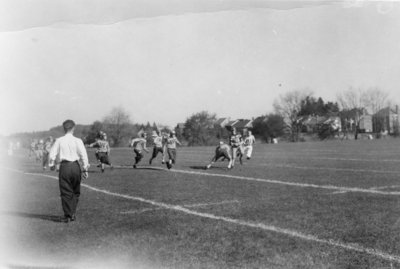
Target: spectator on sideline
{"type": "Point", "coordinates": [70, 151]}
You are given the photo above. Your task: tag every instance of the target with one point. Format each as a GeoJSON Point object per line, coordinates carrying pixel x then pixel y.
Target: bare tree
{"type": "Point", "coordinates": [376, 100]}
{"type": "Point", "coordinates": [288, 106]}
{"type": "Point", "coordinates": [353, 103]}
{"type": "Point", "coordinates": [358, 101]}
{"type": "Point", "coordinates": [117, 125]}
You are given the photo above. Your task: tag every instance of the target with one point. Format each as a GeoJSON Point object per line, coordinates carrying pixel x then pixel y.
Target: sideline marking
{"type": "Point", "coordinates": [188, 205]}
{"type": "Point", "coordinates": [273, 181]}
{"type": "Point", "coordinates": [352, 246]}
{"type": "Point", "coordinates": [303, 185]}
{"type": "Point", "coordinates": [333, 169]}
{"type": "Point", "coordinates": [210, 204]}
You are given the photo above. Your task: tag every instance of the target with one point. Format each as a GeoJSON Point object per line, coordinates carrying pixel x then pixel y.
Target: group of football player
{"type": "Point", "coordinates": [164, 143]}
{"type": "Point", "coordinates": [237, 147]}
{"type": "Point", "coordinates": [40, 149]}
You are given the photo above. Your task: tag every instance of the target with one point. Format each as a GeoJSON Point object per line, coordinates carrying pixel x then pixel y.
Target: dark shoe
{"type": "Point", "coordinates": [73, 218]}
{"type": "Point", "coordinates": [99, 165]}
{"type": "Point", "coordinates": [134, 166]}
{"type": "Point", "coordinates": [163, 162]}
{"type": "Point", "coordinates": [65, 219]}
{"type": "Point", "coordinates": [248, 158]}
{"type": "Point", "coordinates": [169, 165]}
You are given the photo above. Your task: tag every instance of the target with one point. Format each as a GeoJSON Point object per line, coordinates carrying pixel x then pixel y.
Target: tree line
{"type": "Point", "coordinates": [285, 122]}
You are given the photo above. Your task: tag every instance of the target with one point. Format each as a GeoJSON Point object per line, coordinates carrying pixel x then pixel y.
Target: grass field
{"type": "Point", "coordinates": [329, 204]}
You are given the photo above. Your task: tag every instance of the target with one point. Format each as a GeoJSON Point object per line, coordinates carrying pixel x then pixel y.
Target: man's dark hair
{"type": "Point", "coordinates": [68, 125]}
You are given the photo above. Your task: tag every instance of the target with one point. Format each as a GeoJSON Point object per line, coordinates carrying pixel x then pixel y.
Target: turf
{"type": "Point", "coordinates": [146, 226]}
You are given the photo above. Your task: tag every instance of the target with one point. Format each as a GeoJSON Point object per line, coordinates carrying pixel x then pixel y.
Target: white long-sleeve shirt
{"type": "Point", "coordinates": [69, 148]}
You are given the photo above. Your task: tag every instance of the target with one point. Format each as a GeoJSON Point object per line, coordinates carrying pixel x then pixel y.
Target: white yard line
{"type": "Point", "coordinates": [302, 185]}
{"type": "Point", "coordinates": [141, 211]}
{"type": "Point", "coordinates": [270, 228]}
{"type": "Point", "coordinates": [385, 187]}
{"type": "Point", "coordinates": [288, 183]}
{"type": "Point", "coordinates": [188, 205]}
{"type": "Point", "coordinates": [211, 204]}
{"type": "Point", "coordinates": [333, 169]}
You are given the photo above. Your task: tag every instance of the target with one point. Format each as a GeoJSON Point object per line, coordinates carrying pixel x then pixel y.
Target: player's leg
{"type": "Point", "coordinates": [153, 155]}
{"type": "Point", "coordinates": [213, 160]}
{"type": "Point", "coordinates": [234, 154]}
{"type": "Point", "coordinates": [249, 152]}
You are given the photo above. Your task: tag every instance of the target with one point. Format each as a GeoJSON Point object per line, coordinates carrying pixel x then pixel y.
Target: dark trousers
{"type": "Point", "coordinates": [70, 186]}
{"type": "Point", "coordinates": [156, 150]}
{"type": "Point", "coordinates": [103, 157]}
{"type": "Point", "coordinates": [172, 155]}
{"type": "Point", "coordinates": [139, 155]}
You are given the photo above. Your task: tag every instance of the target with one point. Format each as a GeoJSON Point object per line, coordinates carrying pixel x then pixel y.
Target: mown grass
{"type": "Point", "coordinates": [117, 232]}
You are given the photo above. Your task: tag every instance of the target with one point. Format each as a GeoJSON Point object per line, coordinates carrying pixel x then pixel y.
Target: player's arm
{"type": "Point", "coordinates": [133, 141]}
{"type": "Point", "coordinates": [53, 154]}
{"type": "Point", "coordinates": [144, 146]}
{"type": "Point", "coordinates": [177, 141]}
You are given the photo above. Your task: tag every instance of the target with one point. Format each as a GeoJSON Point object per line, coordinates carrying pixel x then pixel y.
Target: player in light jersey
{"type": "Point", "coordinates": [139, 145]}
{"type": "Point", "coordinates": [249, 141]}
{"type": "Point", "coordinates": [39, 151]}
{"type": "Point", "coordinates": [46, 151]}
{"type": "Point", "coordinates": [32, 148]}
{"type": "Point", "coordinates": [236, 143]}
{"type": "Point", "coordinates": [103, 151]}
{"type": "Point", "coordinates": [158, 147]}
{"type": "Point", "coordinates": [171, 149]}
{"type": "Point", "coordinates": [222, 151]}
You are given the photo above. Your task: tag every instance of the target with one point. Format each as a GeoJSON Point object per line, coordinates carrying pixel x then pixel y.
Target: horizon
{"type": "Point", "coordinates": [164, 63]}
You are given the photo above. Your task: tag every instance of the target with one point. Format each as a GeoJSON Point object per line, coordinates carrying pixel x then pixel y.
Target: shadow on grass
{"type": "Point", "coordinates": [203, 167]}
{"type": "Point", "coordinates": [52, 218]}
{"type": "Point", "coordinates": [150, 168]}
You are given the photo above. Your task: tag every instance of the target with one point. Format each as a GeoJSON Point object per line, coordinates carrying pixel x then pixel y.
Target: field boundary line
{"type": "Point", "coordinates": [302, 185]}
{"type": "Point", "coordinates": [187, 206]}
{"type": "Point", "coordinates": [337, 189]}
{"type": "Point", "coordinates": [210, 204]}
{"type": "Point", "coordinates": [332, 169]}
{"type": "Point", "coordinates": [348, 246]}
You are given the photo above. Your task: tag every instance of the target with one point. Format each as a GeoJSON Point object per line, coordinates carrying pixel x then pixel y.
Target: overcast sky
{"type": "Point", "coordinates": [162, 61]}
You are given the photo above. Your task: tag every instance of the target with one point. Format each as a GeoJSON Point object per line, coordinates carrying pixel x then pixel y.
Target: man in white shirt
{"type": "Point", "coordinates": [70, 151]}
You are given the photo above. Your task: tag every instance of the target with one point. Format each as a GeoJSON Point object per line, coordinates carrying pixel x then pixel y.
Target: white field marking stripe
{"type": "Point", "coordinates": [210, 204]}
{"type": "Point", "coordinates": [333, 169]}
{"type": "Point", "coordinates": [304, 185]}
{"type": "Point", "coordinates": [385, 187]}
{"type": "Point", "coordinates": [288, 232]}
{"type": "Point", "coordinates": [189, 205]}
{"type": "Point", "coordinates": [345, 159]}
{"type": "Point", "coordinates": [141, 211]}
{"type": "Point", "coordinates": [339, 192]}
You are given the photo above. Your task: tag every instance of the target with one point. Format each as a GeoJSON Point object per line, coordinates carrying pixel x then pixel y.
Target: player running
{"type": "Point", "coordinates": [46, 151]}
{"type": "Point", "coordinates": [139, 145]}
{"type": "Point", "coordinates": [39, 151]}
{"type": "Point", "coordinates": [249, 141]}
{"type": "Point", "coordinates": [236, 143]}
{"type": "Point", "coordinates": [103, 151]}
{"type": "Point", "coordinates": [223, 150]}
{"type": "Point", "coordinates": [171, 149]}
{"type": "Point", "coordinates": [158, 147]}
